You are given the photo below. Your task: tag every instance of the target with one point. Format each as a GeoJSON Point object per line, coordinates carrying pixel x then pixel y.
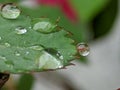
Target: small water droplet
{"type": "Point", "coordinates": [17, 53]}
{"type": "Point", "coordinates": [20, 30]}
{"type": "Point", "coordinates": [83, 49]}
{"type": "Point", "coordinates": [7, 45]}
{"type": "Point", "coordinates": [10, 11]}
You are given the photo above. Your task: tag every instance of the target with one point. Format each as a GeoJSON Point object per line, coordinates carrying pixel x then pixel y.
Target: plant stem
{"type": "Point", "coordinates": [3, 79]}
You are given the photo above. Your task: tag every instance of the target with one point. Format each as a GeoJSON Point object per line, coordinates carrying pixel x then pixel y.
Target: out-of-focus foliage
{"type": "Point", "coordinates": [104, 20]}
{"type": "Point", "coordinates": [87, 9]}
{"type": "Point", "coordinates": [26, 82]}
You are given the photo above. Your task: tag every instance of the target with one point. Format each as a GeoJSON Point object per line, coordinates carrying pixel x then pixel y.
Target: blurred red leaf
{"type": "Point", "coordinates": [64, 5]}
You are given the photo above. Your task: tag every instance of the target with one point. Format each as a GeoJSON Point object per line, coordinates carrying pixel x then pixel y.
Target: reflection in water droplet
{"type": "Point", "coordinates": [55, 53]}
{"type": "Point", "coordinates": [10, 11]}
{"type": "Point", "coordinates": [59, 55]}
{"type": "Point", "coordinates": [47, 61]}
{"type": "Point", "coordinates": [83, 49]}
{"type": "Point", "coordinates": [7, 45]}
{"type": "Point", "coordinates": [17, 53]}
{"type": "Point", "coordinates": [37, 47]}
{"type": "Point", "coordinates": [20, 30]}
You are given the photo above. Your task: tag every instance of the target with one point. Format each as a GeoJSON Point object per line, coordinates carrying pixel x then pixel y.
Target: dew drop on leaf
{"type": "Point", "coordinates": [83, 49]}
{"type": "Point", "coordinates": [20, 30]}
{"type": "Point", "coordinates": [10, 11]}
{"type": "Point", "coordinates": [43, 26]}
{"type": "Point", "coordinates": [48, 61]}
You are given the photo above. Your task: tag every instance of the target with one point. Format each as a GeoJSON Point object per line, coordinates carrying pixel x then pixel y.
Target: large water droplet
{"type": "Point", "coordinates": [83, 49]}
{"type": "Point", "coordinates": [47, 61]}
{"type": "Point", "coordinates": [44, 26]}
{"type": "Point", "coordinates": [7, 45]}
{"type": "Point", "coordinates": [20, 30]}
{"type": "Point", "coordinates": [10, 11]}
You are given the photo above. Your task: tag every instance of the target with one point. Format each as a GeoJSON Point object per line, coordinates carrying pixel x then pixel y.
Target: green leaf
{"type": "Point", "coordinates": [25, 52]}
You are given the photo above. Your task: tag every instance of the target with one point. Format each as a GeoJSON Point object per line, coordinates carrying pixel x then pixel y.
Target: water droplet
{"type": "Point", "coordinates": [17, 53]}
{"type": "Point", "coordinates": [10, 11]}
{"type": "Point", "coordinates": [37, 47]}
{"type": "Point", "coordinates": [7, 45]}
{"type": "Point", "coordinates": [83, 49]}
{"type": "Point", "coordinates": [47, 61]}
{"type": "Point", "coordinates": [44, 26]}
{"type": "Point", "coordinates": [20, 30]}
